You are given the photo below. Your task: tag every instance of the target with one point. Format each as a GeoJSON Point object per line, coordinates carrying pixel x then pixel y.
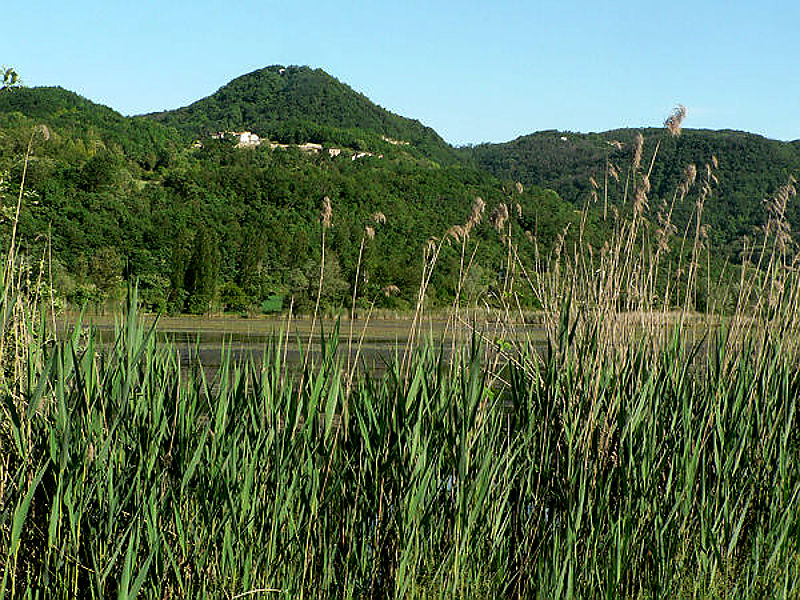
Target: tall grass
{"type": "Point", "coordinates": [636, 455]}
{"type": "Point", "coordinates": [123, 474]}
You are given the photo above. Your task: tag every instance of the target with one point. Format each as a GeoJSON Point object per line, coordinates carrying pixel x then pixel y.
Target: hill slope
{"type": "Point", "coordinates": [66, 113]}
{"type": "Point", "coordinates": [300, 104]}
{"type": "Point", "coordinates": [217, 225]}
{"type": "Point", "coordinates": [750, 168]}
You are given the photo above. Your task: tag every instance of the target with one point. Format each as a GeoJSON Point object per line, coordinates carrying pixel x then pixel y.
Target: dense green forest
{"type": "Point", "coordinates": [748, 169]}
{"type": "Point", "coordinates": [203, 225]}
{"type": "Point", "coordinates": [298, 105]}
{"type": "Point", "coordinates": [223, 227]}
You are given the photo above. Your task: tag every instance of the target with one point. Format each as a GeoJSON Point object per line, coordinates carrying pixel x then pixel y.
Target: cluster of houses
{"type": "Point", "coordinates": [248, 139]}
{"type": "Point", "coordinates": [394, 142]}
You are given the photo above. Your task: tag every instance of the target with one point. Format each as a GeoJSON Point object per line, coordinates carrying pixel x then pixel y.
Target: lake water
{"type": "Point", "coordinates": [204, 338]}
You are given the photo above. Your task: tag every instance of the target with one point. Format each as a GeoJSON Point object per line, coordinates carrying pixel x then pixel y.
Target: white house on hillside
{"type": "Point", "coordinates": [247, 139]}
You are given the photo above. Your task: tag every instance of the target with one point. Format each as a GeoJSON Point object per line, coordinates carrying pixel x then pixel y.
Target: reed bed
{"type": "Point", "coordinates": [124, 476]}
{"type": "Point", "coordinates": [642, 454]}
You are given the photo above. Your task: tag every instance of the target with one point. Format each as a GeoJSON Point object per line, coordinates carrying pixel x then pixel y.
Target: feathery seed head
{"type": "Point", "coordinates": [690, 174]}
{"type": "Point", "coordinates": [612, 172]}
{"type": "Point", "coordinates": [638, 144]}
{"type": "Point", "coordinates": [42, 128]}
{"type": "Point", "coordinates": [478, 207]}
{"type": "Point", "coordinates": [689, 177]}
{"type": "Point", "coordinates": [326, 213]}
{"type": "Point", "coordinates": [639, 200]}
{"type": "Point", "coordinates": [499, 216]}
{"type": "Point", "coordinates": [458, 233]}
{"type": "Point", "coordinates": [390, 290]}
{"type": "Point", "coordinates": [674, 122]}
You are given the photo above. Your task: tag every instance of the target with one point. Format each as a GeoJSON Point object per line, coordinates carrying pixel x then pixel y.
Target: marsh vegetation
{"type": "Point", "coordinates": [630, 449]}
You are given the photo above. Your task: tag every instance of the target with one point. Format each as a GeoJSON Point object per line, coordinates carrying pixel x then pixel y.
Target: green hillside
{"type": "Point", "coordinates": [220, 226]}
{"type": "Point", "coordinates": [749, 169]}
{"type": "Point", "coordinates": [211, 225]}
{"type": "Point", "coordinates": [300, 104]}
{"type": "Point", "coordinates": [79, 120]}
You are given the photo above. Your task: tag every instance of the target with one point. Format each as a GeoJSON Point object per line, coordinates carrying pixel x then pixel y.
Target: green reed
{"type": "Point", "coordinates": [650, 474]}
{"type": "Point", "coordinates": [636, 456]}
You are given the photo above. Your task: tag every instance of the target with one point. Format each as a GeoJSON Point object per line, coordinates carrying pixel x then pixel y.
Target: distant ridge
{"type": "Point", "coordinates": [751, 167]}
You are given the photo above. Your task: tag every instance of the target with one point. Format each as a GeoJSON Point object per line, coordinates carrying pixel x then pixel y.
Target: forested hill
{"type": "Point", "coordinates": [81, 122]}
{"type": "Point", "coordinates": [300, 104]}
{"type": "Point", "coordinates": [211, 225]}
{"type": "Point", "coordinates": [114, 199]}
{"type": "Point", "coordinates": [750, 169]}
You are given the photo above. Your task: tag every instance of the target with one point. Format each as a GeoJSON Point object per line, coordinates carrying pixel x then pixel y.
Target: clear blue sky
{"type": "Point", "coordinates": [475, 71]}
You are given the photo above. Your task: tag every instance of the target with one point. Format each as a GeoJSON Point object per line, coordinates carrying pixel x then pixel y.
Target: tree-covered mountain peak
{"type": "Point", "coordinates": [299, 104]}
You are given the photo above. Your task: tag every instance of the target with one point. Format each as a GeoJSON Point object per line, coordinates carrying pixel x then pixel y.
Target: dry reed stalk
{"type": "Point", "coordinates": [430, 257]}
{"type": "Point", "coordinates": [353, 302]}
{"type": "Point", "coordinates": [369, 233]}
{"type": "Point", "coordinates": [12, 271]}
{"type": "Point", "coordinates": [325, 216]}
{"type": "Point", "coordinates": [461, 234]}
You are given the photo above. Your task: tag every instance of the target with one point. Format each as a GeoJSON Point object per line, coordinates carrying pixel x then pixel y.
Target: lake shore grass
{"type": "Point", "coordinates": [630, 449]}
{"type": "Point", "coordinates": [639, 477]}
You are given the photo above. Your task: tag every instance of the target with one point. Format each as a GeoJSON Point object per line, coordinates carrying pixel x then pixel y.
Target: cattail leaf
{"type": "Point", "coordinates": [21, 511]}
{"type": "Point", "coordinates": [198, 452]}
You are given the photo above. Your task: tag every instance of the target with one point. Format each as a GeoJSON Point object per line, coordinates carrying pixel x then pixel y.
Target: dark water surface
{"type": "Point", "coordinates": [374, 343]}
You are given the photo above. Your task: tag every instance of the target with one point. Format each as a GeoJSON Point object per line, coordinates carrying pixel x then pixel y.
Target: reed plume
{"type": "Point", "coordinates": [390, 290]}
{"type": "Point", "coordinates": [674, 121]}
{"type": "Point", "coordinates": [457, 232]}
{"type": "Point", "coordinates": [638, 145]}
{"type": "Point", "coordinates": [326, 213]}
{"type": "Point", "coordinates": [499, 217]}
{"type": "Point", "coordinates": [476, 216]}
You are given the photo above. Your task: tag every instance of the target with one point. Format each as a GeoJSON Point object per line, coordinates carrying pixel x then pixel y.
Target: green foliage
{"type": "Point", "coordinates": [95, 197]}
{"type": "Point", "coordinates": [273, 304]}
{"type": "Point", "coordinates": [141, 189]}
{"type": "Point", "coordinates": [8, 78]}
{"type": "Point", "coordinates": [233, 298]}
{"type": "Point", "coordinates": [299, 104]}
{"type": "Point", "coordinates": [86, 127]}
{"type": "Point", "coordinates": [573, 473]}
{"type": "Point", "coordinates": [200, 279]}
{"type": "Point", "coordinates": [749, 169]}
